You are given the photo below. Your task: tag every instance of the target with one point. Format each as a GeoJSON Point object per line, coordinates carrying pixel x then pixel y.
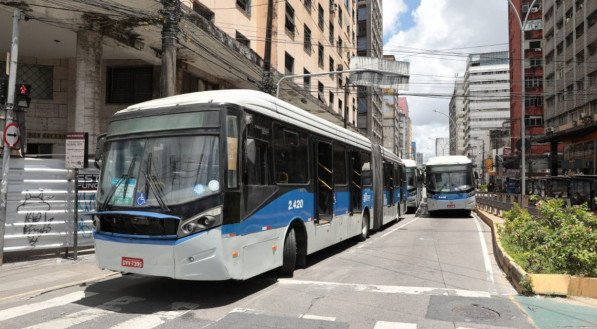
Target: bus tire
{"type": "Point", "coordinates": [289, 254]}
{"type": "Point", "coordinates": [467, 213]}
{"type": "Point", "coordinates": [364, 228]}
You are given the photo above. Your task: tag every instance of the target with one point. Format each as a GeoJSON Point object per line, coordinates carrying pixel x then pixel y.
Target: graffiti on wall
{"type": "Point", "coordinates": [37, 221]}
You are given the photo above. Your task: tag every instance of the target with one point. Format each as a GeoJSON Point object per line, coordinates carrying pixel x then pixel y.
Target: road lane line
{"type": "Point", "coordinates": [399, 227]}
{"type": "Point", "coordinates": [30, 308]}
{"type": "Point", "coordinates": [158, 318]}
{"type": "Point", "coordinates": [486, 260]}
{"type": "Point", "coordinates": [394, 325]}
{"type": "Point", "coordinates": [89, 314]}
{"type": "Point", "coordinates": [317, 317]}
{"type": "Point", "coordinates": [404, 290]}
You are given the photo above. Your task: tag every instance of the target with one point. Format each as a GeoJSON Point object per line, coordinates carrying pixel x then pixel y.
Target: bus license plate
{"type": "Point", "coordinates": [451, 205]}
{"type": "Point", "coordinates": [131, 262]}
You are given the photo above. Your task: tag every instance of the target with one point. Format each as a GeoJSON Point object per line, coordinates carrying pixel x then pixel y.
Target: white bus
{"type": "Point", "coordinates": [450, 184]}
{"type": "Point", "coordinates": [229, 184]}
{"type": "Point", "coordinates": [414, 184]}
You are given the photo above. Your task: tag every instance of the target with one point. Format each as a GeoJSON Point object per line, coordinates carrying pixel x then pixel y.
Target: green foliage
{"type": "Point", "coordinates": [526, 286]}
{"type": "Point", "coordinates": [560, 240]}
{"type": "Point", "coordinates": [483, 187]}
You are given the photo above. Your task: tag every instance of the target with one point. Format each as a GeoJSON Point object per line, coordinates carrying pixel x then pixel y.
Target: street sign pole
{"type": "Point", "coordinates": [12, 81]}
{"type": "Point", "coordinates": [75, 159]}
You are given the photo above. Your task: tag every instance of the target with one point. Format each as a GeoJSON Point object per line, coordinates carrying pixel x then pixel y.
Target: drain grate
{"type": "Point", "coordinates": [475, 312]}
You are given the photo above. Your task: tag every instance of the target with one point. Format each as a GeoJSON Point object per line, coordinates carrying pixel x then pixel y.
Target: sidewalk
{"type": "Point", "coordinates": [31, 278]}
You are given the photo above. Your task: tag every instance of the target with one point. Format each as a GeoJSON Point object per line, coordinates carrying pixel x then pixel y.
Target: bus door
{"type": "Point", "coordinates": [341, 187]}
{"type": "Point", "coordinates": [388, 177]}
{"type": "Point", "coordinates": [324, 191]}
{"type": "Point", "coordinates": [355, 183]}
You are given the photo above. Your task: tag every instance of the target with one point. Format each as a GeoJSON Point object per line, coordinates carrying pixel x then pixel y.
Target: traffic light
{"type": "Point", "coordinates": [3, 89]}
{"type": "Point", "coordinates": [22, 98]}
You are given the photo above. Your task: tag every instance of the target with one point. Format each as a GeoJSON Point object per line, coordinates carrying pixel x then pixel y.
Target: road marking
{"type": "Point", "coordinates": [153, 320]}
{"type": "Point", "coordinates": [317, 317]}
{"type": "Point", "coordinates": [73, 319]}
{"type": "Point", "coordinates": [399, 227]}
{"type": "Point", "coordinates": [405, 290]}
{"type": "Point", "coordinates": [394, 325]}
{"type": "Point", "coordinates": [30, 308]}
{"type": "Point", "coordinates": [486, 260]}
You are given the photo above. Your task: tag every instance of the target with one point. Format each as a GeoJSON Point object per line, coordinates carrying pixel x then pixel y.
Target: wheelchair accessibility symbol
{"type": "Point", "coordinates": [140, 199]}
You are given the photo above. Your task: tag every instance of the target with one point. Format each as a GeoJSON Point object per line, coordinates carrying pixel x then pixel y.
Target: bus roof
{"type": "Point", "coordinates": [409, 163]}
{"type": "Point", "coordinates": [448, 160]}
{"type": "Point", "coordinates": [262, 103]}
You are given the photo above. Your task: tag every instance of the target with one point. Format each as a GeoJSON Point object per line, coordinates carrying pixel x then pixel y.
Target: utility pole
{"type": "Point", "coordinates": [12, 81]}
{"type": "Point", "coordinates": [267, 82]}
{"type": "Point", "coordinates": [171, 15]}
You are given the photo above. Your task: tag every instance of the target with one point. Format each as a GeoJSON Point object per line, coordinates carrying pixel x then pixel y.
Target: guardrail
{"type": "Point", "coordinates": [497, 203]}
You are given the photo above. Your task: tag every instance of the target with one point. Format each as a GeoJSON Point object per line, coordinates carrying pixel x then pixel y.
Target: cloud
{"type": "Point", "coordinates": [391, 10]}
{"type": "Point", "coordinates": [444, 32]}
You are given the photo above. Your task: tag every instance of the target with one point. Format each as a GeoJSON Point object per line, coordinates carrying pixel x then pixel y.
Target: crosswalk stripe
{"type": "Point", "coordinates": [153, 320]}
{"type": "Point", "coordinates": [87, 315]}
{"type": "Point", "coordinates": [394, 325]}
{"type": "Point", "coordinates": [30, 308]}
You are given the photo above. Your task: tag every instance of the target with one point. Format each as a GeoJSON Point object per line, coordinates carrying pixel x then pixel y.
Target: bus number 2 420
{"type": "Point", "coordinates": [295, 204]}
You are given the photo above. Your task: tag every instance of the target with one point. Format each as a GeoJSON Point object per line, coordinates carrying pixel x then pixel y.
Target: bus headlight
{"type": "Point", "coordinates": [96, 223]}
{"type": "Point", "coordinates": [200, 222]}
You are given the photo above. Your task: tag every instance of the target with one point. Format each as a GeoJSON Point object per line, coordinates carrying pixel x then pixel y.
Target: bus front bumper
{"type": "Point", "coordinates": [193, 258]}
{"type": "Point", "coordinates": [468, 204]}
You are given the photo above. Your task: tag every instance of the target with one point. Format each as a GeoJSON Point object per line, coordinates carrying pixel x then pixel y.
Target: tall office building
{"type": "Point", "coordinates": [570, 83]}
{"type": "Point", "coordinates": [456, 118]}
{"type": "Point", "coordinates": [487, 101]}
{"type": "Point", "coordinates": [370, 44]}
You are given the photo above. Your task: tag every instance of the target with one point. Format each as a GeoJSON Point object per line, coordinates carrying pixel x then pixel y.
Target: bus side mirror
{"type": "Point", "coordinates": [99, 150]}
{"type": "Point", "coordinates": [476, 175]}
{"type": "Point", "coordinates": [250, 150]}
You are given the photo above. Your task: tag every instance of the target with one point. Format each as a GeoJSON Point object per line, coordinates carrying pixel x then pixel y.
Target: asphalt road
{"type": "Point", "coordinates": [421, 272]}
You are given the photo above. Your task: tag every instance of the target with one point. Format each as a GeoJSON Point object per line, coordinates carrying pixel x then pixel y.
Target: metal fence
{"type": "Point", "coordinates": [40, 207]}
{"type": "Point", "coordinates": [497, 203]}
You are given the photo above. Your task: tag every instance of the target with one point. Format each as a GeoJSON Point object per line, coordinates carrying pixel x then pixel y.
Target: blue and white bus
{"type": "Point", "coordinates": [414, 184]}
{"type": "Point", "coordinates": [229, 184]}
{"type": "Point", "coordinates": [450, 184]}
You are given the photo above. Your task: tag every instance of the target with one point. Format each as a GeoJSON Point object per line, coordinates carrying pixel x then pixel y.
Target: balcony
{"type": "Point", "coordinates": [533, 34]}
{"type": "Point", "coordinates": [533, 53]}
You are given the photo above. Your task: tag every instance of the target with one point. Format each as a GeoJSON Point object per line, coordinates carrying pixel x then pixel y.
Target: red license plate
{"type": "Point", "coordinates": [131, 262]}
{"type": "Point", "coordinates": [451, 205]}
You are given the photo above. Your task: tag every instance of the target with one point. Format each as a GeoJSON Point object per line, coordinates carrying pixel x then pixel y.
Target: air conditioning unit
{"type": "Point", "coordinates": [534, 10]}
{"type": "Point", "coordinates": [583, 115]}
{"type": "Point", "coordinates": [549, 130]}
{"type": "Point", "coordinates": [574, 123]}
{"type": "Point", "coordinates": [537, 49]}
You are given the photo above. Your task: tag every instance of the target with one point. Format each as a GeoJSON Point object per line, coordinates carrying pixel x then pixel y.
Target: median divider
{"type": "Point", "coordinates": [540, 284]}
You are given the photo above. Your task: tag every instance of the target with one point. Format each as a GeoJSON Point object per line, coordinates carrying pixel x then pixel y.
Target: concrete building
{"type": "Point", "coordinates": [487, 101]}
{"type": "Point", "coordinates": [370, 44]}
{"type": "Point", "coordinates": [404, 127]}
{"type": "Point", "coordinates": [536, 153]}
{"type": "Point", "coordinates": [86, 60]}
{"type": "Point", "coordinates": [419, 159]}
{"type": "Point", "coordinates": [456, 118]}
{"type": "Point", "coordinates": [570, 83]}
{"type": "Point", "coordinates": [391, 132]}
{"type": "Point", "coordinates": [442, 146]}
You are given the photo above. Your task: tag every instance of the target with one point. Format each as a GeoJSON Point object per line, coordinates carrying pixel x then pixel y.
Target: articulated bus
{"type": "Point", "coordinates": [229, 184]}
{"type": "Point", "coordinates": [414, 184]}
{"type": "Point", "coordinates": [450, 184]}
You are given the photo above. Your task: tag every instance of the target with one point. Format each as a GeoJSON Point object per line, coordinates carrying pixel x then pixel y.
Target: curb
{"type": "Point", "coordinates": [541, 284]}
{"type": "Point", "coordinates": [42, 291]}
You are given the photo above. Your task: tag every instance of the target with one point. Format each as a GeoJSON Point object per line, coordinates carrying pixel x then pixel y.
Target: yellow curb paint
{"type": "Point", "coordinates": [583, 287]}
{"type": "Point", "coordinates": [550, 284]}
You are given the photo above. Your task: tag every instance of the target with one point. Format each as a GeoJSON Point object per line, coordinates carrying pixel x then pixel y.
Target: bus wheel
{"type": "Point", "coordinates": [289, 256]}
{"type": "Point", "coordinates": [467, 213]}
{"type": "Point", "coordinates": [365, 228]}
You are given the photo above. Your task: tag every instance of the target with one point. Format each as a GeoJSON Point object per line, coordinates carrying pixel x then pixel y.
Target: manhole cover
{"type": "Point", "coordinates": [477, 312]}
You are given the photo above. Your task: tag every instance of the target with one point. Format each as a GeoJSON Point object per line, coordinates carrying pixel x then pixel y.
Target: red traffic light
{"type": "Point", "coordinates": [23, 89]}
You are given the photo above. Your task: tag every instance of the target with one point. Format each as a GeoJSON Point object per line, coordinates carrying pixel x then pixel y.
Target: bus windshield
{"type": "Point", "coordinates": [455, 178]}
{"type": "Point", "coordinates": [147, 172]}
{"type": "Point", "coordinates": [410, 177]}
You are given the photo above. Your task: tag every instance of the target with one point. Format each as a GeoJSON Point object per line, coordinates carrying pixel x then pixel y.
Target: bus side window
{"type": "Point", "coordinates": [355, 180]}
{"type": "Point", "coordinates": [232, 137]}
{"type": "Point", "coordinates": [290, 161]}
{"type": "Point", "coordinates": [256, 164]}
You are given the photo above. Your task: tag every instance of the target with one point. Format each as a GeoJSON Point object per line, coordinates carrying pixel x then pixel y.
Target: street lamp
{"type": "Point", "coordinates": [455, 123]}
{"type": "Point", "coordinates": [522, 24]}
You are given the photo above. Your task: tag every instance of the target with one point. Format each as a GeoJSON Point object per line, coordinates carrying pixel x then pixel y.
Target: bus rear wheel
{"type": "Point", "coordinates": [365, 228]}
{"type": "Point", "coordinates": [289, 254]}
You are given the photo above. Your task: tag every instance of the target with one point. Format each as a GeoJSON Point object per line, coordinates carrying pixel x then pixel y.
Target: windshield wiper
{"type": "Point", "coordinates": [128, 175]}
{"type": "Point", "coordinates": [151, 181]}
{"type": "Point", "coordinates": [124, 177]}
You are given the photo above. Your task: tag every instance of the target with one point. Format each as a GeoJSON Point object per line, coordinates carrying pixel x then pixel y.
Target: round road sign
{"type": "Point", "coordinates": [11, 134]}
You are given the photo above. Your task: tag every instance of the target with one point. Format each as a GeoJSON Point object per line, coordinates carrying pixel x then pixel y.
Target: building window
{"type": "Point", "coordinates": [245, 5]}
{"type": "Point", "coordinates": [320, 54]}
{"type": "Point", "coordinates": [289, 19]}
{"type": "Point", "coordinates": [331, 64]}
{"type": "Point", "coordinates": [533, 101]}
{"type": "Point", "coordinates": [307, 41]}
{"type": "Point", "coordinates": [307, 81]}
{"type": "Point", "coordinates": [288, 63]}
{"type": "Point", "coordinates": [41, 150]}
{"type": "Point", "coordinates": [320, 15]}
{"type": "Point", "coordinates": [242, 39]}
{"type": "Point", "coordinates": [308, 4]}
{"type": "Point", "coordinates": [40, 77]}
{"type": "Point", "coordinates": [331, 35]}
{"type": "Point", "coordinates": [203, 11]}
{"type": "Point", "coordinates": [331, 99]}
{"type": "Point", "coordinates": [533, 121]}
{"type": "Point", "coordinates": [320, 95]}
{"type": "Point", "coordinates": [129, 85]}
{"type": "Point", "coordinates": [340, 106]}
{"type": "Point", "coordinates": [340, 18]}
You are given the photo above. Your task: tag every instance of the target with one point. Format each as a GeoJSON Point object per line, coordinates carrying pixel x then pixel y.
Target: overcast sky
{"type": "Point", "coordinates": [435, 36]}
